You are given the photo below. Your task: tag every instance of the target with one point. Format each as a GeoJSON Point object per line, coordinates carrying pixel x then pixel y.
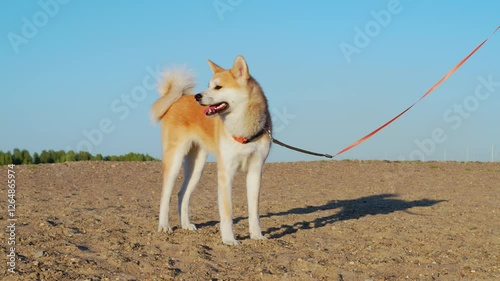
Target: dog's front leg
{"type": "Point", "coordinates": [254, 175]}
{"type": "Point", "coordinates": [225, 180]}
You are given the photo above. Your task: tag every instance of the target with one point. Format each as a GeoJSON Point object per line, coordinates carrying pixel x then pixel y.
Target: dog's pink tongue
{"type": "Point", "coordinates": [209, 110]}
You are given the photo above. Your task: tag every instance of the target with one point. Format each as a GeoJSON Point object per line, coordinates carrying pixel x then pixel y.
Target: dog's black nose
{"type": "Point", "coordinates": [198, 97]}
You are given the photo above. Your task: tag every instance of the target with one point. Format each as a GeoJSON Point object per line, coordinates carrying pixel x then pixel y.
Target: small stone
{"type": "Point", "coordinates": [39, 254]}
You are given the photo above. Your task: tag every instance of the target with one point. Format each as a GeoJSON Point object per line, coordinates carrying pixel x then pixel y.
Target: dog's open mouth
{"type": "Point", "coordinates": [216, 108]}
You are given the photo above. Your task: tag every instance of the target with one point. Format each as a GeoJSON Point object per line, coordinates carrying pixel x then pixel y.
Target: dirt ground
{"type": "Point", "coordinates": [327, 220]}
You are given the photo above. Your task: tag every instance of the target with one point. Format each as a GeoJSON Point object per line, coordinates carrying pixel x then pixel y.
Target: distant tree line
{"type": "Point", "coordinates": [20, 157]}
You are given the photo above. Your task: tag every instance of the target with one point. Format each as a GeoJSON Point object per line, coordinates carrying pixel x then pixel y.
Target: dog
{"type": "Point", "coordinates": [230, 120]}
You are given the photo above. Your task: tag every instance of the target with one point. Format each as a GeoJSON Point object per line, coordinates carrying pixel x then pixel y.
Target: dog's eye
{"type": "Point", "coordinates": [218, 87]}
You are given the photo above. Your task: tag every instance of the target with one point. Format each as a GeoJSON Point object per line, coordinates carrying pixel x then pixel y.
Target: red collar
{"type": "Point", "coordinates": [244, 140]}
{"type": "Point", "coordinates": [240, 139]}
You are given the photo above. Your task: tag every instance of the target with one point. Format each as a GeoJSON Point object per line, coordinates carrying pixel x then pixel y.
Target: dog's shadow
{"type": "Point", "coordinates": [380, 204]}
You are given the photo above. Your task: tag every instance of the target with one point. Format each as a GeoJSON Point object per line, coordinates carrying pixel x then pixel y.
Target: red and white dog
{"type": "Point", "coordinates": [231, 120]}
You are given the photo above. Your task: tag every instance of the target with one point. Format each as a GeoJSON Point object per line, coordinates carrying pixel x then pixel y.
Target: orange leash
{"type": "Point", "coordinates": [427, 93]}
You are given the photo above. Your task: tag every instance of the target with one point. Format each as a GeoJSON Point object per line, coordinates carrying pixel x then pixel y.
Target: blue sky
{"type": "Point", "coordinates": [80, 74]}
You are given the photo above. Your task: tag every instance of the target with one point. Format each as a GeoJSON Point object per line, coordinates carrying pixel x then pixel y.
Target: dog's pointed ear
{"type": "Point", "coordinates": [215, 68]}
{"type": "Point", "coordinates": [240, 68]}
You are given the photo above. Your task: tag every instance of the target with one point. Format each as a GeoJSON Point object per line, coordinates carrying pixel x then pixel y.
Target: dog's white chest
{"type": "Point", "coordinates": [237, 154]}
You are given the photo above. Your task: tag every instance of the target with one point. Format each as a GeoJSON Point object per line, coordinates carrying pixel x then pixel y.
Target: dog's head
{"type": "Point", "coordinates": [227, 89]}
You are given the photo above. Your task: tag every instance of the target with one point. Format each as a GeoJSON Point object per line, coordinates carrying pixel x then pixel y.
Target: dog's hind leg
{"type": "Point", "coordinates": [172, 160]}
{"type": "Point", "coordinates": [194, 162]}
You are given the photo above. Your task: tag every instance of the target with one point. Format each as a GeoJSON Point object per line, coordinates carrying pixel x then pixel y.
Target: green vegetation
{"type": "Point", "coordinates": [20, 157]}
{"type": "Point", "coordinates": [433, 166]}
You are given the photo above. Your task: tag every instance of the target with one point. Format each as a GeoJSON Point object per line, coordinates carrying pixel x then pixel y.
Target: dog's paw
{"type": "Point", "coordinates": [189, 226]}
{"type": "Point", "coordinates": [231, 242]}
{"type": "Point", "coordinates": [258, 237]}
{"type": "Point", "coordinates": [164, 228]}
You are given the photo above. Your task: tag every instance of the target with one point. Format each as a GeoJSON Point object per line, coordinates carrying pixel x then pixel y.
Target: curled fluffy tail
{"type": "Point", "coordinates": [176, 83]}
